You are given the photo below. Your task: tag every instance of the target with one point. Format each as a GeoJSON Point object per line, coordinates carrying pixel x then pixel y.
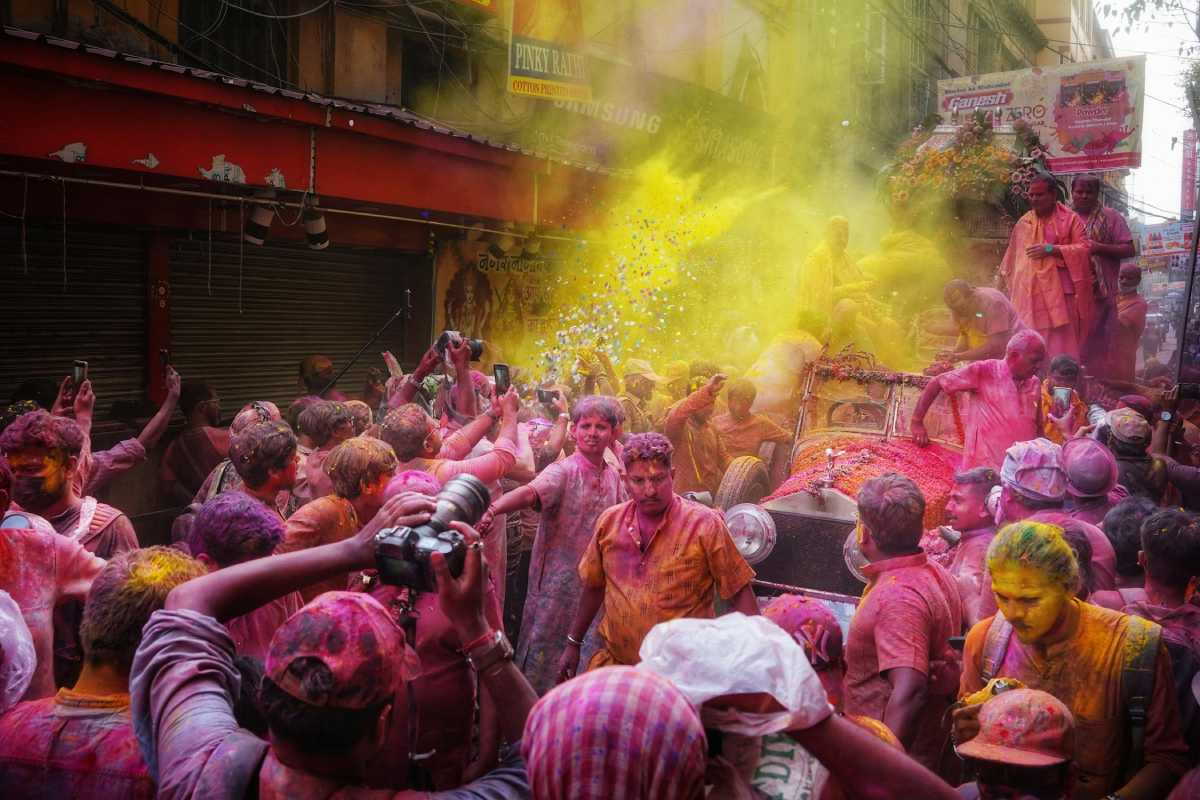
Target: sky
{"type": "Point", "coordinates": [1156, 185]}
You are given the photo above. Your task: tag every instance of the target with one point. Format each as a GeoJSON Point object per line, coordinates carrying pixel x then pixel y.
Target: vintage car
{"type": "Point", "coordinates": [851, 425]}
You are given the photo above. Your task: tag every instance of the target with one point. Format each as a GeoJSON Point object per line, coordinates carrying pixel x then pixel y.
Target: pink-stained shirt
{"type": "Point", "coordinates": [193, 454]}
{"type": "Point", "coordinates": [1107, 226]}
{"type": "Point", "coordinates": [688, 560]}
{"type": "Point", "coordinates": [1001, 413]}
{"type": "Point", "coordinates": [968, 567]}
{"type": "Point", "coordinates": [182, 692]}
{"type": "Point", "coordinates": [571, 495]}
{"type": "Point", "coordinates": [109, 533]}
{"type": "Point", "coordinates": [252, 632]}
{"type": "Point", "coordinates": [323, 521]}
{"type": "Point", "coordinates": [908, 613]}
{"type": "Point", "coordinates": [489, 467]}
{"type": "Point", "coordinates": [74, 746]}
{"type": "Point", "coordinates": [1055, 291]}
{"type": "Point", "coordinates": [41, 570]}
{"type": "Point", "coordinates": [1127, 336]}
{"type": "Point", "coordinates": [96, 470]}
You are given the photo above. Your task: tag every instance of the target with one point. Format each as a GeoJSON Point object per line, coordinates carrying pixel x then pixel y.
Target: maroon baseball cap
{"type": "Point", "coordinates": [1023, 727]}
{"type": "Point", "coordinates": [355, 639]}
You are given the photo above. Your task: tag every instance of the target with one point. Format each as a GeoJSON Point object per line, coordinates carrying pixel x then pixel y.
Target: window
{"type": "Point", "coordinates": [236, 43]}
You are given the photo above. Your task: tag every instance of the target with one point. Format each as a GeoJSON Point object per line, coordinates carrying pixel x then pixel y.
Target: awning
{"type": "Point", "coordinates": [159, 123]}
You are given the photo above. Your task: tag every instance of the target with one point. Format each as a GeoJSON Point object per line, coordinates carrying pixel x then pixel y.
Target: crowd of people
{"type": "Point", "coordinates": [268, 650]}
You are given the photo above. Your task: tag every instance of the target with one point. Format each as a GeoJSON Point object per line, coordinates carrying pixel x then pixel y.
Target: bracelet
{"type": "Point", "coordinates": [572, 640]}
{"type": "Point", "coordinates": [498, 650]}
{"type": "Point", "coordinates": [471, 645]}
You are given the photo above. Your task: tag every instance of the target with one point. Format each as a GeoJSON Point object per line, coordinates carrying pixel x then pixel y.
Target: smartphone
{"type": "Point", "coordinates": [79, 373]}
{"type": "Point", "coordinates": [503, 379]}
{"type": "Point", "coordinates": [1062, 398]}
{"type": "Point", "coordinates": [545, 396]}
{"type": "Point", "coordinates": [393, 366]}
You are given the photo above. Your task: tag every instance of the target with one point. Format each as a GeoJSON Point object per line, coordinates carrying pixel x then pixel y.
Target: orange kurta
{"type": "Point", "coordinates": [1052, 295]}
{"type": "Point", "coordinates": [688, 560]}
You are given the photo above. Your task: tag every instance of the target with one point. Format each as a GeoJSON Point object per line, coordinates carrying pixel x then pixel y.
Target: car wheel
{"type": "Point", "coordinates": [746, 481]}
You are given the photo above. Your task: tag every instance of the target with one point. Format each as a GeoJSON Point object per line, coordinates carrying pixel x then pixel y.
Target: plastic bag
{"type": "Point", "coordinates": [18, 659]}
{"type": "Point", "coordinates": [736, 654]}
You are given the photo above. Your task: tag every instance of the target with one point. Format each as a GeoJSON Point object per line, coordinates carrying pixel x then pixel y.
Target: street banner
{"type": "Point", "coordinates": [1166, 239]}
{"type": "Point", "coordinates": [1088, 115]}
{"type": "Point", "coordinates": [1187, 188]}
{"type": "Point", "coordinates": [545, 57]}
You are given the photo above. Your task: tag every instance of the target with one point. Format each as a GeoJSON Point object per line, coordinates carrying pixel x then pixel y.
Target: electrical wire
{"type": "Point", "coordinates": [297, 15]}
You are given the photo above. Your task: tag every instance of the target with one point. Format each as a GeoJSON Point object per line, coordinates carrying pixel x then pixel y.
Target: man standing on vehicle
{"type": "Point", "coordinates": [1005, 405]}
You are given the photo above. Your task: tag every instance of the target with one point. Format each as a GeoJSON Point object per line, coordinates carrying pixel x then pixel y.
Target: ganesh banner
{"type": "Point", "coordinates": [1089, 115]}
{"type": "Point", "coordinates": [487, 293]}
{"type": "Point", "coordinates": [545, 57]}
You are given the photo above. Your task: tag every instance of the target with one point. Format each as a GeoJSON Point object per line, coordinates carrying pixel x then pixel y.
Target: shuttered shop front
{"type": "Point", "coordinates": [243, 319]}
{"type": "Point", "coordinates": [95, 311]}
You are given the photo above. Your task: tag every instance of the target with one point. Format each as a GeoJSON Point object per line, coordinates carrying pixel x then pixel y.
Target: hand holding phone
{"type": "Point", "coordinates": [503, 378]}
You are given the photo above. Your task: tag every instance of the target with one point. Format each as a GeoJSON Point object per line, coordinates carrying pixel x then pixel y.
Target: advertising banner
{"type": "Point", "coordinates": [1088, 115]}
{"type": "Point", "coordinates": [1187, 188]}
{"type": "Point", "coordinates": [1166, 239]}
{"type": "Point", "coordinates": [545, 58]}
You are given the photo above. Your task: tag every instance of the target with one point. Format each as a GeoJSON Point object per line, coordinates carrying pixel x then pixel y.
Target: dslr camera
{"type": "Point", "coordinates": [402, 554]}
{"type": "Point", "coordinates": [454, 337]}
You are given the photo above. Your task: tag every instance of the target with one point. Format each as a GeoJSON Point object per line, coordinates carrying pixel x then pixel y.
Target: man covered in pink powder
{"type": "Point", "coordinates": [80, 742]}
{"type": "Point", "coordinates": [40, 570]}
{"type": "Point", "coordinates": [1048, 271]}
{"type": "Point", "coordinates": [232, 528]}
{"type": "Point", "coordinates": [570, 494]}
{"type": "Point", "coordinates": [967, 513]}
{"type": "Point", "coordinates": [1005, 402]}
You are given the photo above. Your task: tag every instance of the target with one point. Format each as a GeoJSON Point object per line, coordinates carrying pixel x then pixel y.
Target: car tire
{"type": "Point", "coordinates": [745, 481]}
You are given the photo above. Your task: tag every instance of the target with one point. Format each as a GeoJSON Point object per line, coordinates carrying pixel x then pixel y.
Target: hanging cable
{"type": "Point", "coordinates": [252, 12]}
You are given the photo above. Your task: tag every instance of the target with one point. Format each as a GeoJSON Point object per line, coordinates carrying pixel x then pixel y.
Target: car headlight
{"type": "Point", "coordinates": [753, 531]}
{"type": "Point", "coordinates": [852, 555]}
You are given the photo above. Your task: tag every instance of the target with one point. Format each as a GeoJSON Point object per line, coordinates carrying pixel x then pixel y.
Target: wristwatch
{"type": "Point", "coordinates": [495, 648]}
{"type": "Point", "coordinates": [1166, 416]}
{"type": "Point", "coordinates": [1048, 249]}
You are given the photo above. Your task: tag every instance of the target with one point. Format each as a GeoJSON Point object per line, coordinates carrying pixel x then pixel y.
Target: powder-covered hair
{"type": "Point", "coordinates": [982, 478]}
{"type": "Point", "coordinates": [1123, 527]}
{"type": "Point", "coordinates": [602, 406]}
{"type": "Point", "coordinates": [131, 587]}
{"type": "Point", "coordinates": [261, 448]}
{"type": "Point", "coordinates": [253, 413]}
{"type": "Point", "coordinates": [1023, 339]}
{"type": "Point", "coordinates": [234, 527]}
{"type": "Point", "coordinates": [1171, 539]}
{"type": "Point", "coordinates": [1039, 546]}
{"type": "Point", "coordinates": [43, 429]}
{"type": "Point", "coordinates": [1076, 537]}
{"type": "Point", "coordinates": [893, 509]}
{"type": "Point", "coordinates": [322, 418]}
{"type": "Point", "coordinates": [647, 447]}
{"type": "Point", "coordinates": [1064, 364]}
{"type": "Point", "coordinates": [6, 476]}
{"type": "Point", "coordinates": [298, 407]}
{"type": "Point", "coordinates": [405, 429]}
{"type": "Point", "coordinates": [360, 414]}
{"type": "Point", "coordinates": [743, 388]}
{"type": "Point", "coordinates": [358, 462]}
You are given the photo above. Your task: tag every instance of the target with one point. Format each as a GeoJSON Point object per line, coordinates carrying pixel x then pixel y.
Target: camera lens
{"type": "Point", "coordinates": [463, 498]}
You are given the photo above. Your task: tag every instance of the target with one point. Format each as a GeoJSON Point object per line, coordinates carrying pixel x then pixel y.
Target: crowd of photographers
{"type": "Point", "coordinates": [329, 617]}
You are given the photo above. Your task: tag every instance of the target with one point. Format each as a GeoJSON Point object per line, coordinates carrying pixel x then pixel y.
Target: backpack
{"type": "Point", "coordinates": [1137, 676]}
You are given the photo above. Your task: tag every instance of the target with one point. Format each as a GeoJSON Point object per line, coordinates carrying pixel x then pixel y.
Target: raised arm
{"type": "Point", "coordinates": [463, 395]}
{"type": "Point", "coordinates": [157, 426]}
{"type": "Point", "coordinates": [409, 386]}
{"type": "Point", "coordinates": [698, 400]}
{"type": "Point", "coordinates": [237, 590]}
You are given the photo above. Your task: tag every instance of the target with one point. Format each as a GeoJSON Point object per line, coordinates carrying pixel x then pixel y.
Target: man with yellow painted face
{"type": "Point", "coordinates": [1050, 640]}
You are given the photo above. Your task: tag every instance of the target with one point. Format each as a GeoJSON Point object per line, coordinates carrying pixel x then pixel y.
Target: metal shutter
{"type": "Point", "coordinates": [294, 302]}
{"type": "Point", "coordinates": [98, 316]}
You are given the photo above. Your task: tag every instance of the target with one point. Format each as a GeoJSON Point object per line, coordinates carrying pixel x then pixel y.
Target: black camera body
{"type": "Point", "coordinates": [402, 554]}
{"type": "Point", "coordinates": [449, 337]}
{"type": "Point", "coordinates": [1189, 391]}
